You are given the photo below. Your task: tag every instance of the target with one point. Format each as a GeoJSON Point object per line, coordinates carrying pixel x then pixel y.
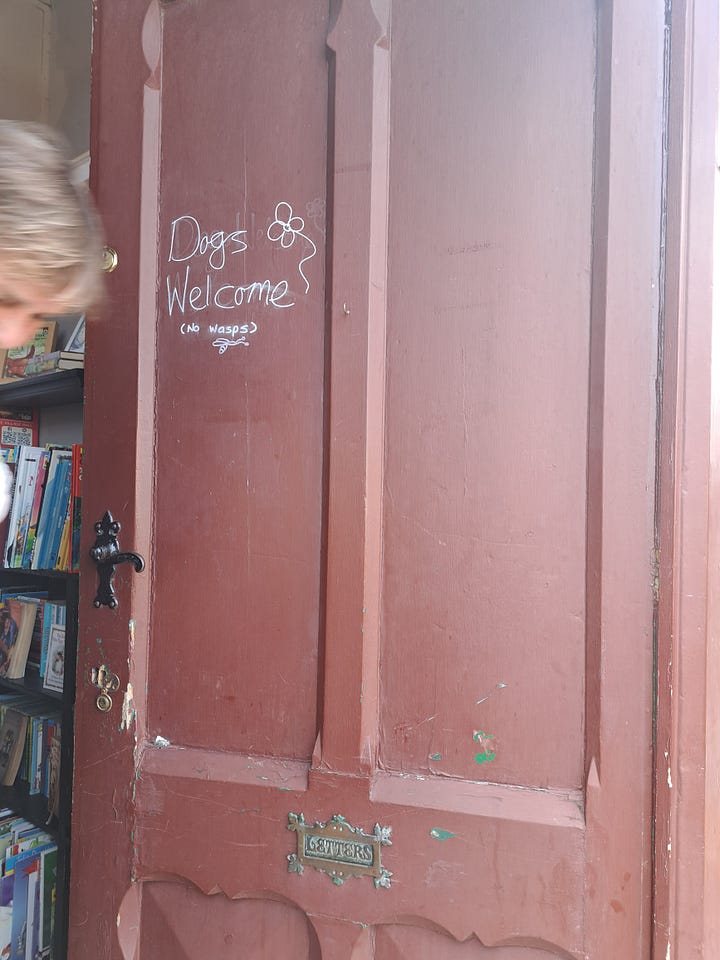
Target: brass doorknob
{"type": "Point", "coordinates": [109, 259]}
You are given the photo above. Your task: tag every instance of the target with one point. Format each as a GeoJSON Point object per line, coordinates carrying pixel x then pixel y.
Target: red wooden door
{"type": "Point", "coordinates": [373, 394]}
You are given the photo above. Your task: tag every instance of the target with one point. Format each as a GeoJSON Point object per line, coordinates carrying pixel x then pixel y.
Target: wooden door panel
{"type": "Point", "coordinates": [403, 942]}
{"type": "Point", "coordinates": [488, 336]}
{"type": "Point", "coordinates": [252, 929]}
{"type": "Point", "coordinates": [239, 437]}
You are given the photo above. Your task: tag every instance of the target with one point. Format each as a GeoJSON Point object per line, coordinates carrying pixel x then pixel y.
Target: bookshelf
{"type": "Point", "coordinates": [59, 389]}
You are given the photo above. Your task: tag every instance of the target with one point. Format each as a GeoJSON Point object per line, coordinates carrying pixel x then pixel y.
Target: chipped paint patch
{"type": "Point", "coordinates": [128, 709]}
{"type": "Point", "coordinates": [485, 740]}
{"type": "Point", "coordinates": [487, 746]}
{"type": "Point", "coordinates": [161, 742]}
{"type": "Point", "coordinates": [498, 686]}
{"type": "Point", "coordinates": [435, 756]}
{"type": "Point", "coordinates": [437, 834]}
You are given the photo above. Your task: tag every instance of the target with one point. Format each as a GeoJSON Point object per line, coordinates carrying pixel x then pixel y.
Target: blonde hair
{"type": "Point", "coordinates": [49, 232]}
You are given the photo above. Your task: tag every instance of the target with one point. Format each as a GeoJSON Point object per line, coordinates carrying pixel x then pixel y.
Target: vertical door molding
{"type": "Point", "coordinates": [622, 423]}
{"type": "Point", "coordinates": [104, 746]}
{"type": "Point", "coordinates": [687, 851]}
{"type": "Point", "coordinates": [359, 211]}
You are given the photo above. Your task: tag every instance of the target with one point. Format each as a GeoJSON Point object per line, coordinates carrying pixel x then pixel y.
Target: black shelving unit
{"type": "Point", "coordinates": [47, 390]}
{"type": "Point", "coordinates": [43, 390]}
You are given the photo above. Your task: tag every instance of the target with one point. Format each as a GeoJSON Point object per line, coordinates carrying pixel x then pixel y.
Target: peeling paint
{"type": "Point", "coordinates": [480, 736]}
{"type": "Point", "coordinates": [485, 740]}
{"type": "Point", "coordinates": [161, 742]}
{"type": "Point", "coordinates": [128, 709]}
{"type": "Point", "coordinates": [437, 834]}
{"type": "Point", "coordinates": [498, 686]}
{"type": "Point", "coordinates": [435, 756]}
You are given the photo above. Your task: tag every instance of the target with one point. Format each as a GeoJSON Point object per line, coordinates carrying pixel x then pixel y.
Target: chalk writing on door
{"type": "Point", "coordinates": [203, 296]}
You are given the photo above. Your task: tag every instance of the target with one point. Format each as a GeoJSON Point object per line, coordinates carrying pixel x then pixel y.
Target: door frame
{"type": "Point", "coordinates": [687, 741]}
{"type": "Point", "coordinates": [687, 750]}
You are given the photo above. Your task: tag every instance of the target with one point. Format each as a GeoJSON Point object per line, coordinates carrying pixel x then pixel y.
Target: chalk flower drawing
{"type": "Point", "coordinates": [285, 228]}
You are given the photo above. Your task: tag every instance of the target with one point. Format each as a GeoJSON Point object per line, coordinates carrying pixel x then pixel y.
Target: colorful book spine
{"type": "Point", "coordinates": [75, 526]}
{"type": "Point", "coordinates": [35, 510]}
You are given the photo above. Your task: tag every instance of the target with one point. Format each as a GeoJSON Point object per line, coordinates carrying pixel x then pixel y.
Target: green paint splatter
{"type": "Point", "coordinates": [437, 834]}
{"type": "Point", "coordinates": [435, 756]}
{"type": "Point", "coordinates": [485, 741]}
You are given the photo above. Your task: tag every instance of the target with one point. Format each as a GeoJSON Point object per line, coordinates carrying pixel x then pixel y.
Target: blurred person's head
{"type": "Point", "coordinates": [49, 235]}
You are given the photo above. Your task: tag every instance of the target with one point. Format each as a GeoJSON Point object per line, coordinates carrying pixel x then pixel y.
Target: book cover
{"type": "Point", "coordinates": [53, 776]}
{"type": "Point", "coordinates": [76, 340]}
{"type": "Point", "coordinates": [33, 910]}
{"type": "Point", "coordinates": [17, 357]}
{"type": "Point", "coordinates": [55, 662]}
{"type": "Point", "coordinates": [53, 612]}
{"type": "Point", "coordinates": [6, 913]}
{"type": "Point", "coordinates": [48, 885]}
{"type": "Point", "coordinates": [26, 871]}
{"type": "Point", "coordinates": [35, 652]}
{"type": "Point", "coordinates": [8, 636]}
{"type": "Point", "coordinates": [7, 492]}
{"type": "Point", "coordinates": [12, 743]}
{"type": "Point", "coordinates": [16, 629]}
{"type": "Point", "coordinates": [16, 505]}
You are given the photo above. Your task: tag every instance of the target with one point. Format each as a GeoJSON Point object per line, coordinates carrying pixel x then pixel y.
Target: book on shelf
{"type": "Point", "coordinates": [12, 744]}
{"type": "Point", "coordinates": [76, 511]}
{"type": "Point", "coordinates": [34, 511]}
{"type": "Point", "coordinates": [16, 358]}
{"type": "Point", "coordinates": [76, 340]}
{"type": "Point", "coordinates": [48, 884]}
{"type": "Point", "coordinates": [53, 509]}
{"type": "Point", "coordinates": [56, 360]}
{"type": "Point", "coordinates": [53, 776]}
{"type": "Point", "coordinates": [54, 675]}
{"type": "Point", "coordinates": [35, 650]}
{"type": "Point", "coordinates": [36, 761]}
{"type": "Point", "coordinates": [31, 934]}
{"type": "Point", "coordinates": [53, 612]}
{"type": "Point", "coordinates": [29, 475]}
{"type": "Point", "coordinates": [42, 531]}
{"type": "Point", "coordinates": [17, 623]}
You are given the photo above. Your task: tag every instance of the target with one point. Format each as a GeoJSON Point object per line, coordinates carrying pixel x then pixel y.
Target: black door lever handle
{"type": "Point", "coordinates": [107, 555]}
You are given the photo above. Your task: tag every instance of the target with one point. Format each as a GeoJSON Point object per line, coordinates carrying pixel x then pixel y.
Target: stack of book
{"type": "Point", "coordinates": [40, 356]}
{"type": "Point", "coordinates": [28, 880]}
{"type": "Point", "coordinates": [56, 360]}
{"type": "Point", "coordinates": [42, 531]}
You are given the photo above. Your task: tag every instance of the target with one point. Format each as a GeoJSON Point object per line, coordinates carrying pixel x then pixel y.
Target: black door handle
{"type": "Point", "coordinates": [107, 555]}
